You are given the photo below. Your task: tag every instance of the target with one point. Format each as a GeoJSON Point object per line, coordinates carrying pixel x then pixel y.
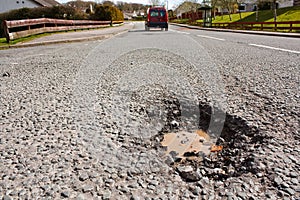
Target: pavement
{"type": "Point", "coordinates": [104, 33]}
{"type": "Point", "coordinates": [77, 36]}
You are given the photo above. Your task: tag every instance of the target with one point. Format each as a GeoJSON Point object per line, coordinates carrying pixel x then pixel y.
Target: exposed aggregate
{"type": "Point", "coordinates": [48, 152]}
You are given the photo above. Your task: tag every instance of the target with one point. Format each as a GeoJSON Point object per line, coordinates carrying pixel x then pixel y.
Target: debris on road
{"type": "Point", "coordinates": [188, 173]}
{"type": "Point", "coordinates": [187, 143]}
{"type": "Point", "coordinates": [6, 74]}
{"type": "Point", "coordinates": [215, 148]}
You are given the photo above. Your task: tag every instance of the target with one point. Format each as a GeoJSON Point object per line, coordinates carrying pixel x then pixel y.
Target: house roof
{"type": "Point", "coordinates": [186, 7]}
{"type": "Point", "coordinates": [47, 2]}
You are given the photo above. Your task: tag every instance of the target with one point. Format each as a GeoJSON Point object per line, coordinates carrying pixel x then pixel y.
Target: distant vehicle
{"type": "Point", "coordinates": [157, 17]}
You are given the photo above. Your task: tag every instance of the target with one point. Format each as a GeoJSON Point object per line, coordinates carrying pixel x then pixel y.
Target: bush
{"type": "Point", "coordinates": [139, 18]}
{"type": "Point", "coordinates": [107, 13]}
{"type": "Point", "coordinates": [101, 13]}
{"type": "Point", "coordinates": [56, 12]}
{"type": "Point", "coordinates": [116, 14]}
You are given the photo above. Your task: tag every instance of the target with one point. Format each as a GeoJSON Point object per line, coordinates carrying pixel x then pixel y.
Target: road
{"type": "Point", "coordinates": [84, 120]}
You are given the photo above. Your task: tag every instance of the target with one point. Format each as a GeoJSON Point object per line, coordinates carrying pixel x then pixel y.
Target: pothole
{"type": "Point", "coordinates": [184, 144]}
{"type": "Point", "coordinates": [204, 153]}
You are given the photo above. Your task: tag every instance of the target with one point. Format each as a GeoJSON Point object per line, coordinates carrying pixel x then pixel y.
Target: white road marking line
{"type": "Point", "coordinates": [209, 37]}
{"type": "Point", "coordinates": [180, 32]}
{"type": "Point", "coordinates": [274, 48]}
{"type": "Point", "coordinates": [183, 32]}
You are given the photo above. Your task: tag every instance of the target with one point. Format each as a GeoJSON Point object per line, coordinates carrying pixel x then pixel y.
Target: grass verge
{"type": "Point", "coordinates": [283, 15]}
{"type": "Point", "coordinates": [3, 42]}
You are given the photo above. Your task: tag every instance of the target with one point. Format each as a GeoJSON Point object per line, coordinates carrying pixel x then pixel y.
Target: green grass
{"type": "Point", "coordinates": [288, 14]}
{"type": "Point", "coordinates": [283, 15]}
{"type": "Point", "coordinates": [180, 21]}
{"type": "Point", "coordinates": [3, 42]}
{"type": "Point", "coordinates": [234, 17]}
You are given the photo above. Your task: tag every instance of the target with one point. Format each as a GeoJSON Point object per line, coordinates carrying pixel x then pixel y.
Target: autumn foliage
{"type": "Point", "coordinates": [107, 12]}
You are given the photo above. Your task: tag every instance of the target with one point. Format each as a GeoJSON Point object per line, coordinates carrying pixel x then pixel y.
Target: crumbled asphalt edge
{"type": "Point", "coordinates": [237, 138]}
{"type": "Point", "coordinates": [138, 108]}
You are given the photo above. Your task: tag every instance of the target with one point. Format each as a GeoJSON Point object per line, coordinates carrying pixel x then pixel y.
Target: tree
{"type": "Point", "coordinates": [237, 4]}
{"type": "Point", "coordinates": [116, 14]}
{"type": "Point", "coordinates": [230, 5]}
{"type": "Point", "coordinates": [107, 13]}
{"type": "Point", "coordinates": [268, 4]}
{"type": "Point", "coordinates": [108, 3]}
{"type": "Point", "coordinates": [101, 13]}
{"type": "Point", "coordinates": [82, 5]}
{"type": "Point", "coordinates": [216, 4]}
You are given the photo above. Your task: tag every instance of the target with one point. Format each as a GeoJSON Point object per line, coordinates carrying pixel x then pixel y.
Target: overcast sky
{"type": "Point", "coordinates": [171, 2]}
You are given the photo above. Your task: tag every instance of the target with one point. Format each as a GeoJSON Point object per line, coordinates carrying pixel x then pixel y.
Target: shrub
{"type": "Point", "coordinates": [56, 12]}
{"type": "Point", "coordinates": [116, 14]}
{"type": "Point", "coordinates": [107, 13]}
{"type": "Point", "coordinates": [102, 12]}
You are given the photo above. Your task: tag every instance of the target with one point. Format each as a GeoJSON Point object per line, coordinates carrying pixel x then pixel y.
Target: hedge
{"type": "Point", "coordinates": [62, 12]}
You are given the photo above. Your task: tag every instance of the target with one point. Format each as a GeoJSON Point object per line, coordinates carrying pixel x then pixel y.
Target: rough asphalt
{"type": "Point", "coordinates": [84, 120]}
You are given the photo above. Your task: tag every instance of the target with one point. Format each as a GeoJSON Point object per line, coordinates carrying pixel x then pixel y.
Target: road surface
{"type": "Point", "coordinates": [84, 120]}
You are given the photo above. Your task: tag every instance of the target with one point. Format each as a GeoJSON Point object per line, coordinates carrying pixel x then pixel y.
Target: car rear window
{"type": "Point", "coordinates": [156, 13]}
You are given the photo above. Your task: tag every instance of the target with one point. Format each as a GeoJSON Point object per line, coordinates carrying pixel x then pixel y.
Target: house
{"type": "Point", "coordinates": [127, 16]}
{"type": "Point", "coordinates": [84, 6]}
{"type": "Point", "coordinates": [186, 7]}
{"type": "Point", "coordinates": [249, 5]}
{"type": "Point", "coordinates": [7, 5]}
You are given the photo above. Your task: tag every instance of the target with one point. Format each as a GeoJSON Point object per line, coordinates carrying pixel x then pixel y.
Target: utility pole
{"type": "Point", "coordinates": [256, 11]}
{"type": "Point", "coordinates": [166, 4]}
{"type": "Point", "coordinates": [275, 12]}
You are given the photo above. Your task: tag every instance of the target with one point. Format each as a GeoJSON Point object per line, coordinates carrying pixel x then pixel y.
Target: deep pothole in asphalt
{"type": "Point", "coordinates": [201, 153]}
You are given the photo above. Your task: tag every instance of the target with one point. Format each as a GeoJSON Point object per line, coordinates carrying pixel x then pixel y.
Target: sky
{"type": "Point", "coordinates": [171, 3]}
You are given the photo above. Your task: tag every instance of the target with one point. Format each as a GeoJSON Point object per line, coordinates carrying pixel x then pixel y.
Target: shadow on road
{"type": "Point", "coordinates": [152, 30]}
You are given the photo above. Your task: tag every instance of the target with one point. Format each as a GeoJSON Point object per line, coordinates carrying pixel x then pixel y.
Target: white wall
{"type": "Point", "coordinates": [7, 5]}
{"type": "Point", "coordinates": [286, 3]}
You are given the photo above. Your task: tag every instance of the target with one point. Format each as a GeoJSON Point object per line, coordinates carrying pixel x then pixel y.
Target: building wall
{"type": "Point", "coordinates": [296, 2]}
{"type": "Point", "coordinates": [281, 4]}
{"type": "Point", "coordinates": [286, 3]}
{"type": "Point", "coordinates": [248, 7]}
{"type": "Point", "coordinates": [7, 5]}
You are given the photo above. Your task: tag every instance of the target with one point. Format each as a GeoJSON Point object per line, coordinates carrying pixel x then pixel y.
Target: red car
{"type": "Point", "coordinates": [157, 17]}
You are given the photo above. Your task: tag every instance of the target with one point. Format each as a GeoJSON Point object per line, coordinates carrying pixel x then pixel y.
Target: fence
{"type": "Point", "coordinates": [21, 28]}
{"type": "Point", "coordinates": [292, 26]}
